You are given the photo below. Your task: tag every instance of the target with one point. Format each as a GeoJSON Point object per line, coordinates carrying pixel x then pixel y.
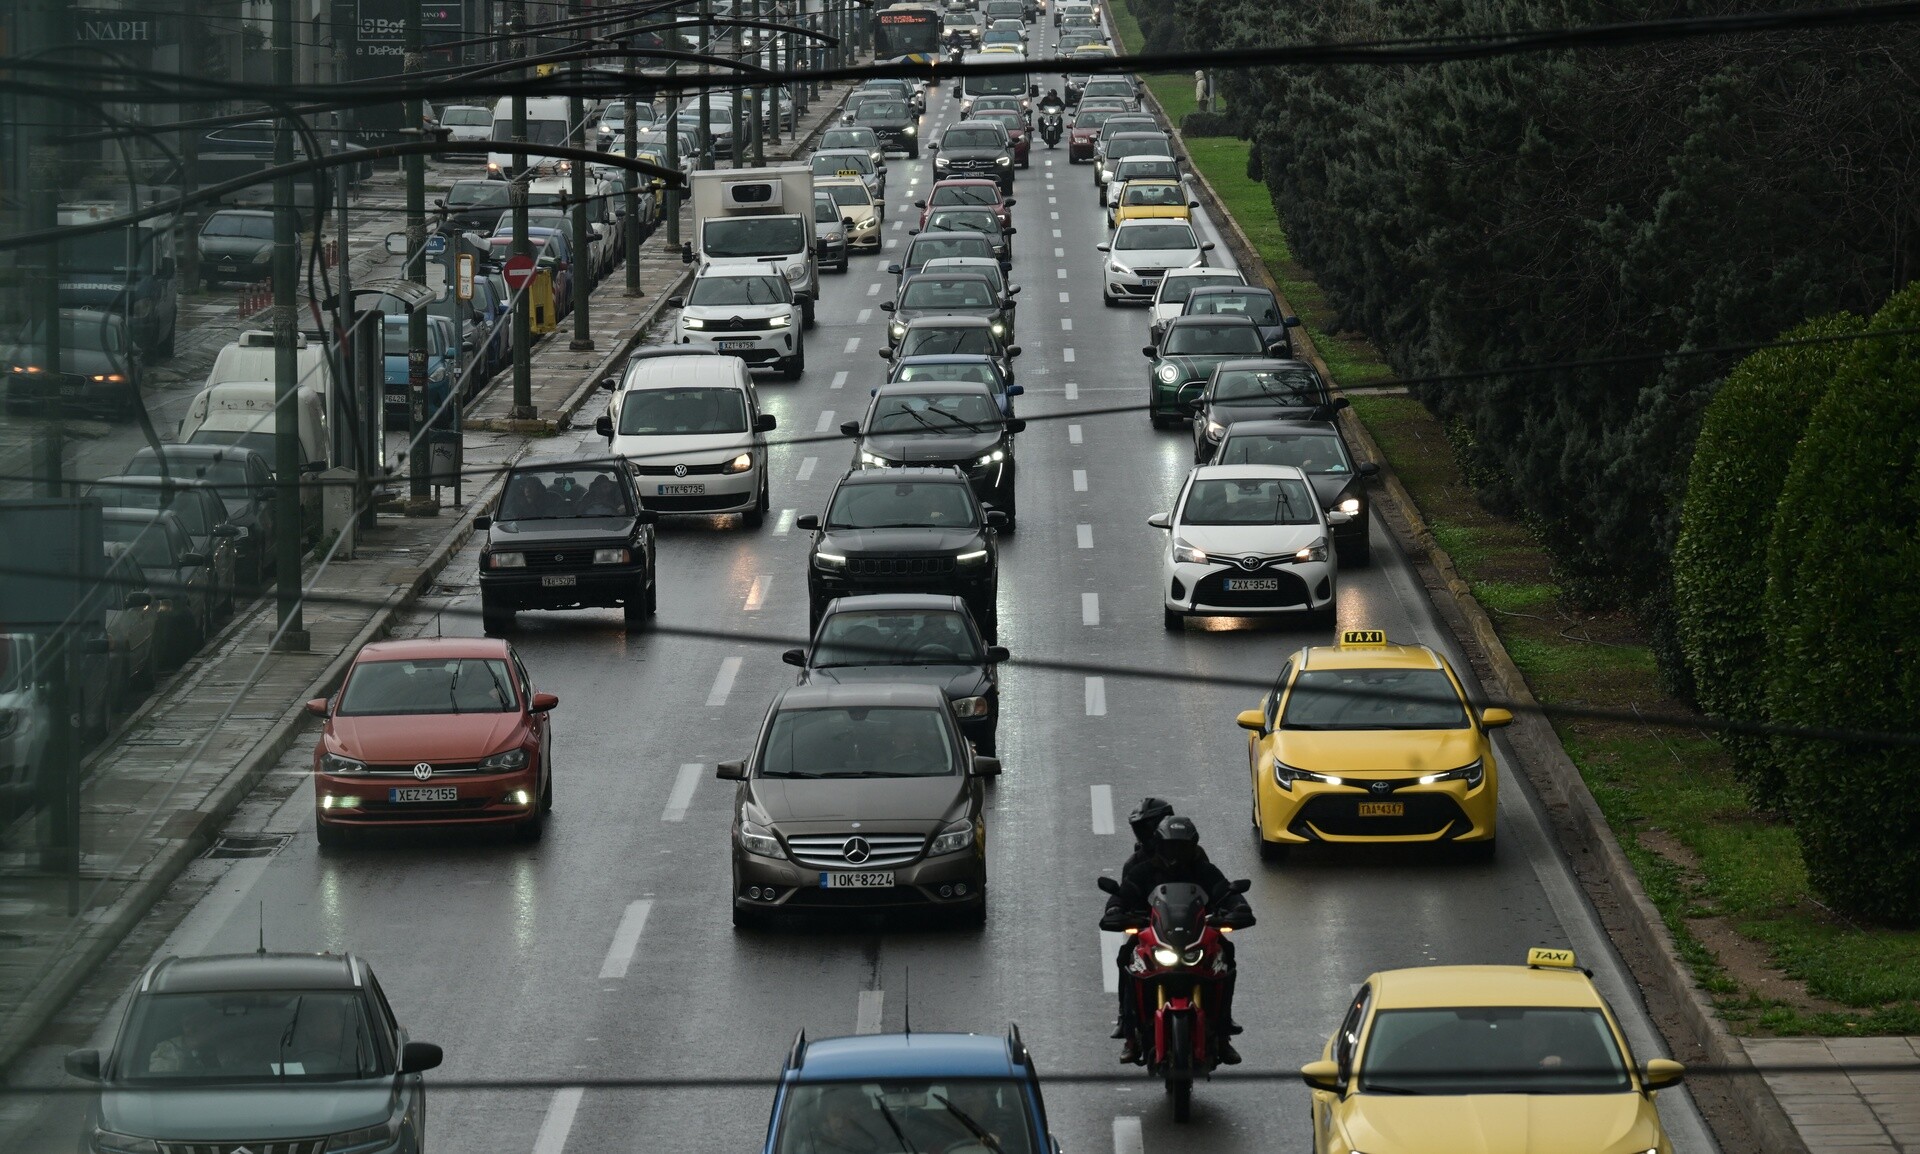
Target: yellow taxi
{"type": "Point", "coordinates": [1151, 199]}
{"type": "Point", "coordinates": [1368, 741]}
{"type": "Point", "coordinates": [1489, 1060]}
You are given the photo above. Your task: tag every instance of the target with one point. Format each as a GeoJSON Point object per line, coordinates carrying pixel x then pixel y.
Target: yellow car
{"type": "Point", "coordinates": [1368, 741]}
{"type": "Point", "coordinates": [1151, 199]}
{"type": "Point", "coordinates": [1489, 1060]}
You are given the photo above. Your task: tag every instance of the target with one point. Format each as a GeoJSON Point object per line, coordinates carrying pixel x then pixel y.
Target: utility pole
{"type": "Point", "coordinates": [706, 99]}
{"type": "Point", "coordinates": [583, 266]}
{"type": "Point", "coordinates": [737, 105]}
{"type": "Point", "coordinates": [286, 368]}
{"type": "Point", "coordinates": [629, 181]}
{"type": "Point", "coordinates": [189, 225]}
{"type": "Point", "coordinates": [420, 499]}
{"type": "Point", "coordinates": [517, 198]}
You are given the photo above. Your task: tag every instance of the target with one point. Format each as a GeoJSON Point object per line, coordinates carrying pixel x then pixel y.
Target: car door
{"type": "Point", "coordinates": [394, 1036]}
{"type": "Point", "coordinates": [1344, 1047]}
{"type": "Point", "coordinates": [542, 723]}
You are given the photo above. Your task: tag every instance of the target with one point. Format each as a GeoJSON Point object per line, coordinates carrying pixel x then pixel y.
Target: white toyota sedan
{"type": "Point", "coordinates": [1245, 541]}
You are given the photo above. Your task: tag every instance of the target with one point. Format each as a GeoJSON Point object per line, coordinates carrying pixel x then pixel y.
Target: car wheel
{"type": "Point", "coordinates": [745, 918]}
{"type": "Point", "coordinates": [635, 610]}
{"type": "Point", "coordinates": [329, 836]}
{"type": "Point", "coordinates": [1324, 618]}
{"type": "Point", "coordinates": [806, 313]}
{"type": "Point", "coordinates": [975, 916]}
{"type": "Point", "coordinates": [1480, 851]}
{"type": "Point", "coordinates": [1358, 556]}
{"type": "Point", "coordinates": [493, 619]}
{"type": "Point", "coordinates": [914, 154]}
{"type": "Point", "coordinates": [1271, 852]}
{"type": "Point", "coordinates": [1106, 298]}
{"type": "Point", "coordinates": [1172, 619]}
{"type": "Point", "coordinates": [546, 793]}
{"type": "Point", "coordinates": [165, 348]}
{"type": "Point", "coordinates": [795, 364]}
{"type": "Point", "coordinates": [653, 595]}
{"type": "Point", "coordinates": [757, 516]}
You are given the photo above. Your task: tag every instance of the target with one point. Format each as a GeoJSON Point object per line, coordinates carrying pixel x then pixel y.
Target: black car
{"type": "Point", "coordinates": [940, 245]}
{"type": "Point", "coordinates": [567, 535]}
{"type": "Point", "coordinates": [1258, 305]}
{"type": "Point", "coordinates": [1184, 359]}
{"type": "Point", "coordinates": [244, 481]}
{"type": "Point", "coordinates": [290, 1053]}
{"type": "Point", "coordinates": [473, 206]}
{"type": "Point", "coordinates": [181, 578]}
{"type": "Point", "coordinates": [236, 244]}
{"type": "Point", "coordinates": [984, 221]}
{"type": "Point", "coordinates": [907, 530]}
{"type": "Point", "coordinates": [202, 513]}
{"type": "Point", "coordinates": [942, 423]}
{"type": "Point", "coordinates": [1317, 449]}
{"type": "Point", "coordinates": [938, 335]}
{"type": "Point", "coordinates": [938, 293]}
{"type": "Point", "coordinates": [99, 371]}
{"type": "Point", "coordinates": [974, 148]}
{"type": "Point", "coordinates": [892, 121]}
{"type": "Point", "coordinates": [1257, 390]}
{"type": "Point", "coordinates": [910, 637]}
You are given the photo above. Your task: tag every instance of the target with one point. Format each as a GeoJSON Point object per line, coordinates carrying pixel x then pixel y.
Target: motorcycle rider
{"type": "Point", "coordinates": [1052, 109]}
{"type": "Point", "coordinates": [1145, 822]}
{"type": "Point", "coordinates": [1051, 102]}
{"type": "Point", "coordinates": [1174, 856]}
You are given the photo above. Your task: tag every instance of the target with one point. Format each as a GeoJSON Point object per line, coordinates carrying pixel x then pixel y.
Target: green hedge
{"type": "Point", "coordinates": [1209, 124]}
{"type": "Point", "coordinates": [1720, 560]}
{"type": "Point", "coordinates": [1843, 626]}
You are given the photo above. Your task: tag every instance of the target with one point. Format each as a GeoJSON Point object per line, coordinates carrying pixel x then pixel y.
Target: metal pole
{"type": "Point", "coordinates": [672, 208]}
{"type": "Point", "coordinates": [583, 266]}
{"type": "Point", "coordinates": [629, 181]}
{"type": "Point", "coordinates": [286, 370]}
{"type": "Point", "coordinates": [517, 197]}
{"type": "Point", "coordinates": [421, 501]}
{"type": "Point", "coordinates": [706, 100]}
{"type": "Point", "coordinates": [737, 106]}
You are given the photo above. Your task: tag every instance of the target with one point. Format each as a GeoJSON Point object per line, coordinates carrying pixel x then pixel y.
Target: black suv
{"type": "Point", "coordinates": [977, 148]}
{"type": "Point", "coordinates": [1257, 389]}
{"type": "Point", "coordinates": [567, 535]}
{"type": "Point", "coordinates": [907, 530]}
{"type": "Point", "coordinates": [941, 423]}
{"type": "Point", "coordinates": [892, 121]}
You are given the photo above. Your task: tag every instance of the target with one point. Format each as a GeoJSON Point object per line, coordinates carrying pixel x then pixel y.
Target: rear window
{"type": "Point", "coordinates": [1154, 236]}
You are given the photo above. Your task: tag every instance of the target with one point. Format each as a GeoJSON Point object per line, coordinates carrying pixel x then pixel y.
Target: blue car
{"type": "Point", "coordinates": [976, 367]}
{"type": "Point", "coordinates": [442, 358]}
{"type": "Point", "coordinates": [910, 1092]}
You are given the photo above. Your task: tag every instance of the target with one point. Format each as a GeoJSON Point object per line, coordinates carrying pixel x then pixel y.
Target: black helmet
{"type": "Point", "coordinates": [1178, 840]}
{"type": "Point", "coordinates": [1146, 818]}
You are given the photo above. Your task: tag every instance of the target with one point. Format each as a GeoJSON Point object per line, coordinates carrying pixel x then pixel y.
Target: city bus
{"type": "Point", "coordinates": [902, 29]}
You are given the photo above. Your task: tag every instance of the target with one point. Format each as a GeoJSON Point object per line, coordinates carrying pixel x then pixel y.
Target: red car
{"type": "Point", "coordinates": [1017, 132]}
{"type": "Point", "coordinates": [1085, 128]}
{"type": "Point", "coordinates": [436, 731]}
{"type": "Point", "coordinates": [966, 192]}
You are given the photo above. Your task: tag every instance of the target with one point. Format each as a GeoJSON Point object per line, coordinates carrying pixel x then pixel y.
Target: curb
{"type": "Point", "coordinates": [1558, 780]}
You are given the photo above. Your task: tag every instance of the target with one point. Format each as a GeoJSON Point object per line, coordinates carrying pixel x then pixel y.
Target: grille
{"type": "Point", "coordinates": [296, 1146]}
{"type": "Point", "coordinates": [738, 325]}
{"type": "Point", "coordinates": [1338, 814]}
{"type": "Point", "coordinates": [378, 811]}
{"type": "Point", "coordinates": [899, 566]}
{"type": "Point", "coordinates": [407, 769]}
{"type": "Point", "coordinates": [564, 557]}
{"type": "Point", "coordinates": [692, 470]}
{"type": "Point", "coordinates": [1211, 590]}
{"type": "Point", "coordinates": [832, 849]}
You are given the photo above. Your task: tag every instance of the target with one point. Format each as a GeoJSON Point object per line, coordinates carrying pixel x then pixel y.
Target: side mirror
{"type": "Point", "coordinates": [226, 531]}
{"type": "Point", "coordinates": [418, 1057]}
{"type": "Point", "coordinates": [482, 524]}
{"type": "Point", "coordinates": [997, 654]}
{"type": "Point", "coordinates": [886, 354]}
{"type": "Point", "coordinates": [1013, 290]}
{"type": "Point", "coordinates": [1337, 517]}
{"type": "Point", "coordinates": [1496, 718]}
{"type": "Point", "coordinates": [807, 521]}
{"type": "Point", "coordinates": [935, 147]}
{"type": "Point", "coordinates": [1016, 425]}
{"type": "Point", "coordinates": [795, 657]}
{"type": "Point", "coordinates": [138, 599]}
{"type": "Point", "coordinates": [1016, 390]}
{"type": "Point", "coordinates": [731, 771]}
{"type": "Point", "coordinates": [1013, 351]}
{"type": "Point", "coordinates": [986, 767]}
{"type": "Point", "coordinates": [887, 306]}
{"type": "Point", "coordinates": [1195, 404]}
{"type": "Point", "coordinates": [1322, 1075]}
{"type": "Point", "coordinates": [1291, 322]}
{"type": "Point", "coordinates": [1161, 520]}
{"type": "Point", "coordinates": [849, 428]}
{"type": "Point", "coordinates": [913, 232]}
{"type": "Point", "coordinates": [1342, 403]}
{"type": "Point", "coordinates": [1107, 884]}
{"type": "Point", "coordinates": [1241, 885]}
{"type": "Point", "coordinates": [1102, 248]}
{"type": "Point", "coordinates": [1206, 246]}
{"type": "Point", "coordinates": [1657, 1074]}
{"type": "Point", "coordinates": [881, 169]}
{"type": "Point", "coordinates": [604, 427]}
{"type": "Point", "coordinates": [1251, 720]}
{"type": "Point", "coordinates": [543, 702]}
{"type": "Point", "coordinates": [83, 1064]}
{"type": "Point", "coordinates": [919, 204]}
{"type": "Point", "coordinates": [1033, 90]}
{"type": "Point", "coordinates": [894, 269]}
{"type": "Point", "coordinates": [1011, 231]}
{"type": "Point", "coordinates": [1149, 351]}
{"type": "Point", "coordinates": [609, 383]}
{"type": "Point", "coordinates": [1010, 202]}
{"type": "Point", "coordinates": [317, 706]}
{"type": "Point", "coordinates": [765, 423]}
{"type": "Point", "coordinates": [1193, 204]}
{"type": "Point", "coordinates": [676, 302]}
{"type": "Point", "coordinates": [996, 519]}
{"type": "Point", "coordinates": [846, 222]}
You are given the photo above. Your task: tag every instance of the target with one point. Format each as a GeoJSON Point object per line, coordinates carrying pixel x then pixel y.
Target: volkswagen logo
{"type": "Point", "coordinates": [423, 771]}
{"type": "Point", "coordinates": [856, 850]}
{"type": "Point", "coordinates": [1381, 788]}
{"type": "Point", "coordinates": [1250, 563]}
{"type": "Point", "coordinates": [679, 470]}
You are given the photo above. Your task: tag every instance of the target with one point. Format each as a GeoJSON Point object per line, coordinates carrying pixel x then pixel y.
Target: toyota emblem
{"type": "Point", "coordinates": [1249, 563]}
{"type": "Point", "coordinates": [423, 771]}
{"type": "Point", "coordinates": [856, 850]}
{"type": "Point", "coordinates": [679, 470]}
{"type": "Point", "coordinates": [1381, 788]}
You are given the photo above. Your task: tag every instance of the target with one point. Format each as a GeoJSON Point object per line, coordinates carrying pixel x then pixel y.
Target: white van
{"type": "Point", "coordinates": [251, 358]}
{"type": "Point", "coordinates": [690, 426]}
{"type": "Point", "coordinates": [243, 413]}
{"type": "Point", "coordinates": [970, 86]}
{"type": "Point", "coordinates": [548, 122]}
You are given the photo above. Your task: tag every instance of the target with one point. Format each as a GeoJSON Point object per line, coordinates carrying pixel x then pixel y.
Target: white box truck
{"type": "Point", "coordinates": [755, 218]}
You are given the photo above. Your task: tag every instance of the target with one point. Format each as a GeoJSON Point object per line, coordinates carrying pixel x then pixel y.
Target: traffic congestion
{"type": "Point", "coordinates": [799, 713]}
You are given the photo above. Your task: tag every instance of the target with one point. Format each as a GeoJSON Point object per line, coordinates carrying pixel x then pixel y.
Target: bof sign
{"type": "Point", "coordinates": [518, 271]}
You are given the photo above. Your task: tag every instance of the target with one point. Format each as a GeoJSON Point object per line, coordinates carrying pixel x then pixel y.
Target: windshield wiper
{"type": "Point", "coordinates": [286, 1036]}
{"type": "Point", "coordinates": [894, 1125]}
{"type": "Point", "coordinates": [979, 1132]}
{"type": "Point", "coordinates": [498, 687]}
{"type": "Point", "coordinates": [920, 419]}
{"type": "Point", "coordinates": [453, 687]}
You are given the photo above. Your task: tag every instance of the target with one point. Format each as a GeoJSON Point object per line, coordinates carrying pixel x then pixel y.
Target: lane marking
{"type": "Point", "coordinates": [1102, 809]}
{"type": "Point", "coordinates": [1066, 324]}
{"type": "Point", "coordinates": [806, 468]}
{"type": "Point", "coordinates": [723, 682]}
{"type": "Point", "coordinates": [784, 524]}
{"type": "Point", "coordinates": [1089, 609]}
{"type": "Point", "coordinates": [898, 225]}
{"type": "Point", "coordinates": [1060, 274]}
{"type": "Point", "coordinates": [853, 345]}
{"type": "Point", "coordinates": [558, 1122]}
{"type": "Point", "coordinates": [1109, 973]}
{"type": "Point", "coordinates": [873, 290]}
{"type": "Point", "coordinates": [866, 1019]}
{"type": "Point", "coordinates": [1126, 1128]}
{"type": "Point", "coordinates": [1056, 232]}
{"type": "Point", "coordinates": [1082, 533]}
{"type": "Point", "coordinates": [1063, 296]}
{"type": "Point", "coordinates": [1053, 200]}
{"type": "Point", "coordinates": [892, 243]}
{"type": "Point", "coordinates": [1073, 434]}
{"type": "Point", "coordinates": [865, 316]}
{"type": "Point", "coordinates": [682, 795]}
{"type": "Point", "coordinates": [882, 266]}
{"type": "Point", "coordinates": [1054, 216]}
{"type": "Point", "coordinates": [757, 593]}
{"type": "Point", "coordinates": [626, 940]}
{"type": "Point", "coordinates": [839, 380]}
{"type": "Point", "coordinates": [1066, 354]}
{"type": "Point", "coordinates": [1079, 480]}
{"type": "Point", "coordinates": [1096, 696]}
{"type": "Point", "coordinates": [825, 422]}
{"type": "Point", "coordinates": [1073, 391]}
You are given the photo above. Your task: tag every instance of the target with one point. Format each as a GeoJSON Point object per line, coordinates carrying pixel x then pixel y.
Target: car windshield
{"type": "Point", "coordinates": [1212, 340]}
{"type": "Point", "coordinates": [1116, 149]}
{"type": "Point", "coordinates": [932, 413]}
{"type": "Point", "coordinates": [1094, 117]}
{"type": "Point", "coordinates": [466, 117]}
{"type": "Point", "coordinates": [1135, 237]}
{"type": "Point", "coordinates": [240, 225]}
{"type": "Point", "coordinates": [146, 540]}
{"type": "Point", "coordinates": [442, 685]}
{"type": "Point", "coordinates": [825, 211]}
{"type": "Point", "coordinates": [979, 371]}
{"type": "Point", "coordinates": [918, 1115]}
{"type": "Point", "coordinates": [260, 440]}
{"type": "Point", "coordinates": [850, 195]}
{"type": "Point", "coordinates": [538, 132]}
{"type": "Point", "coordinates": [1004, 36]}
{"type": "Point", "coordinates": [682, 411]}
{"type": "Point", "coordinates": [1154, 195]}
{"type": "Point", "coordinates": [749, 236]}
{"type": "Point", "coordinates": [895, 637]}
{"type": "Point", "coordinates": [926, 248]}
{"type": "Point", "coordinates": [963, 136]}
{"type": "Point", "coordinates": [1296, 386]}
{"type": "Point", "coordinates": [1493, 1050]}
{"type": "Point", "coordinates": [228, 474]}
{"type": "Point", "coordinates": [882, 112]}
{"type": "Point", "coordinates": [189, 506]}
{"type": "Point", "coordinates": [842, 164]}
{"type": "Point", "coordinates": [739, 290]}
{"type": "Point", "coordinates": [1176, 289]}
{"type": "Point", "coordinates": [847, 138]}
{"type": "Point", "coordinates": [1249, 501]}
{"type": "Point", "coordinates": [1131, 122]}
{"type": "Point", "coordinates": [965, 194]}
{"type": "Point", "coordinates": [857, 742]}
{"type": "Point", "coordinates": [478, 194]}
{"type": "Point", "coordinates": [1315, 453]}
{"type": "Point", "coordinates": [1108, 88]}
{"type": "Point", "coordinates": [1374, 699]}
{"type": "Point", "coordinates": [542, 494]}
{"type": "Point", "coordinates": [1137, 168]}
{"type": "Point", "coordinates": [248, 1035]}
{"type": "Point", "coordinates": [1009, 85]}
{"type": "Point", "coordinates": [937, 293]}
{"type": "Point", "coordinates": [1254, 305]}
{"type": "Point", "coordinates": [928, 341]}
{"type": "Point", "coordinates": [964, 220]}
{"type": "Point", "coordinates": [902, 505]}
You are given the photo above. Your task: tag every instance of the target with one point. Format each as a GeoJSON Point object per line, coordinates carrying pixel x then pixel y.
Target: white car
{"type": "Point", "coordinates": [1170, 298]}
{"type": "Point", "coordinates": [1245, 541]}
{"type": "Point", "coordinates": [747, 315]}
{"type": "Point", "coordinates": [689, 425]}
{"type": "Point", "coordinates": [467, 122]}
{"type": "Point", "coordinates": [1141, 252]}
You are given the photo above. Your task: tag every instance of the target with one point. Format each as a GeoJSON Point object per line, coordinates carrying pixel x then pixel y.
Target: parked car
{"type": "Point", "coordinates": [236, 244]}
{"type": "Point", "coordinates": [244, 480]}
{"type": "Point", "coordinates": [26, 726]}
{"type": "Point", "coordinates": [201, 512]}
{"type": "Point", "coordinates": [182, 579]}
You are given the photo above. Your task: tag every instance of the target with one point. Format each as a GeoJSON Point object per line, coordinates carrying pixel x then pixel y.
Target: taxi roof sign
{"type": "Point", "coordinates": [1541, 957]}
{"type": "Point", "coordinates": [1355, 637]}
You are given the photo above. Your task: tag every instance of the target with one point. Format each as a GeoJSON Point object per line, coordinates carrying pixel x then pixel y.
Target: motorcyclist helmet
{"type": "Point", "coordinates": [1146, 819]}
{"type": "Point", "coordinates": [1177, 840]}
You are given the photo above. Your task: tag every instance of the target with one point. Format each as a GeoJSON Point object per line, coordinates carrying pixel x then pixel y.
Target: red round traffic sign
{"type": "Point", "coordinates": [518, 271]}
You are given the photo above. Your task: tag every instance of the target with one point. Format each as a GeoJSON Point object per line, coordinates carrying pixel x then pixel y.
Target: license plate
{"type": "Point", "coordinates": [423, 793]}
{"type": "Point", "coordinates": [1383, 809]}
{"type": "Point", "coordinates": [699, 490]}
{"type": "Point", "coordinates": [1253, 584]}
{"type": "Point", "coordinates": [562, 581]}
{"type": "Point", "coordinates": [72, 390]}
{"type": "Point", "coordinates": [857, 881]}
{"type": "Point", "coordinates": [736, 346]}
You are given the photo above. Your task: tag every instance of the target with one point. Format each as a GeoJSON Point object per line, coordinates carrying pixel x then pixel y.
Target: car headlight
{"type": "Point", "coordinates": [874, 460]}
{"type": "Point", "coordinates": [910, 130]}
{"type": "Point", "coordinates": [1471, 773]}
{"type": "Point", "coordinates": [1314, 552]}
{"type": "Point", "coordinates": [1167, 374]}
{"type": "Point", "coordinates": [830, 560]}
{"type": "Point", "coordinates": [759, 841]}
{"type": "Point", "coordinates": [952, 839]}
{"type": "Point", "coordinates": [1351, 506]}
{"type": "Point", "coordinates": [1215, 429]}
{"type": "Point", "coordinates": [990, 458]}
{"type": "Point", "coordinates": [1115, 266]}
{"type": "Point", "coordinates": [611, 556]}
{"type": "Point", "coordinates": [1285, 775]}
{"type": "Point", "coordinates": [692, 323]}
{"type": "Point", "coordinates": [784, 320]}
{"type": "Point", "coordinates": [10, 721]}
{"type": "Point", "coordinates": [739, 464]}
{"type": "Point", "coordinates": [367, 1138]}
{"type": "Point", "coordinates": [1004, 161]}
{"type": "Point", "coordinates": [796, 271]}
{"type": "Point", "coordinates": [896, 330]}
{"type": "Point", "coordinates": [1166, 955]}
{"type": "Point", "coordinates": [263, 256]}
{"type": "Point", "coordinates": [999, 330]}
{"type": "Point", "coordinates": [506, 560]}
{"type": "Point", "coordinates": [510, 759]}
{"type": "Point", "coordinates": [108, 1142]}
{"type": "Point", "coordinates": [1186, 553]}
{"type": "Point", "coordinates": [835, 238]}
{"type": "Point", "coordinates": [438, 372]}
{"type": "Point", "coordinates": [335, 763]}
{"type": "Point", "coordinates": [973, 557]}
{"type": "Point", "coordinates": [940, 162]}
{"type": "Point", "coordinates": [972, 707]}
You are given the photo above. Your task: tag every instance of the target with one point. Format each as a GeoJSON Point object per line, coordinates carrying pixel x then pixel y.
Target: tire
{"type": "Point", "coordinates": [1324, 618]}
{"type": "Point", "coordinates": [1107, 299]}
{"type": "Point", "coordinates": [494, 620]}
{"type": "Point", "coordinates": [806, 313]}
{"type": "Point", "coordinates": [757, 516]}
{"type": "Point", "coordinates": [1359, 556]}
{"type": "Point", "coordinates": [975, 916]}
{"type": "Point", "coordinates": [1179, 1056]}
{"type": "Point", "coordinates": [1480, 851]}
{"type": "Point", "coordinates": [546, 793]}
{"type": "Point", "coordinates": [532, 829]}
{"type": "Point", "coordinates": [635, 610]}
{"type": "Point", "coordinates": [746, 919]}
{"type": "Point", "coordinates": [1173, 620]}
{"type": "Point", "coordinates": [329, 837]}
{"type": "Point", "coordinates": [653, 595]}
{"type": "Point", "coordinates": [914, 153]}
{"type": "Point", "coordinates": [795, 364]}
{"type": "Point", "coordinates": [165, 347]}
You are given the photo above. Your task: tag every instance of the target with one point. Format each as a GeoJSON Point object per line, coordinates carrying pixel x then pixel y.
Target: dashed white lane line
{"type": "Point", "coordinates": [1063, 296]}
{"type": "Point", "coordinates": [825, 422]}
{"type": "Point", "coordinates": [882, 265]}
{"type": "Point", "coordinates": [853, 345]}
{"type": "Point", "coordinates": [558, 1122]}
{"type": "Point", "coordinates": [1060, 274]}
{"type": "Point", "coordinates": [783, 524]}
{"type": "Point", "coordinates": [1054, 200]}
{"type": "Point", "coordinates": [839, 380]}
{"type": "Point", "coordinates": [1066, 354]}
{"type": "Point", "coordinates": [866, 1019]}
{"type": "Point", "coordinates": [873, 290]}
{"type": "Point", "coordinates": [757, 593]}
{"type": "Point", "coordinates": [682, 795]}
{"type": "Point", "coordinates": [1054, 216]}
{"type": "Point", "coordinates": [1096, 697]}
{"type": "Point", "coordinates": [806, 468]}
{"type": "Point", "coordinates": [1126, 1129]}
{"type": "Point", "coordinates": [723, 682]}
{"type": "Point", "coordinates": [863, 317]}
{"type": "Point", "coordinates": [1056, 232]}
{"type": "Point", "coordinates": [1110, 982]}
{"type": "Point", "coordinates": [1102, 809]}
{"type": "Point", "coordinates": [1073, 390]}
{"type": "Point", "coordinates": [1083, 534]}
{"type": "Point", "coordinates": [892, 243]}
{"type": "Point", "coordinates": [1089, 609]}
{"type": "Point", "coordinates": [1079, 480]}
{"type": "Point", "coordinates": [898, 225]}
{"type": "Point", "coordinates": [626, 939]}
{"type": "Point", "coordinates": [1066, 324]}
{"type": "Point", "coordinates": [1073, 434]}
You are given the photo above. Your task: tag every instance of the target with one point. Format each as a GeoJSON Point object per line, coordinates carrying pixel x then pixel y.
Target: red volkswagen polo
{"type": "Point", "coordinates": [436, 731]}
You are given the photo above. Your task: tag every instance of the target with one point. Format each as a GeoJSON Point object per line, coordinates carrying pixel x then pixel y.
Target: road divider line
{"type": "Point", "coordinates": [882, 266]}
{"type": "Point", "coordinates": [1096, 696]}
{"type": "Point", "coordinates": [757, 593]}
{"type": "Point", "coordinates": [1054, 200]}
{"type": "Point", "coordinates": [1079, 480]}
{"type": "Point", "coordinates": [1089, 609]}
{"type": "Point", "coordinates": [1126, 1128]}
{"type": "Point", "coordinates": [723, 682]}
{"type": "Point", "coordinates": [839, 380]}
{"type": "Point", "coordinates": [1073, 434]}
{"type": "Point", "coordinates": [1066, 354]}
{"type": "Point", "coordinates": [866, 1019]}
{"type": "Point", "coordinates": [1066, 326]}
{"type": "Point", "coordinates": [863, 317]}
{"type": "Point", "coordinates": [1109, 975]}
{"type": "Point", "coordinates": [825, 422]}
{"type": "Point", "coordinates": [853, 345]}
{"type": "Point", "coordinates": [1054, 216]}
{"type": "Point", "coordinates": [1063, 296]}
{"type": "Point", "coordinates": [1056, 232]}
{"type": "Point", "coordinates": [1060, 274]}
{"type": "Point", "coordinates": [1083, 533]}
{"type": "Point", "coordinates": [558, 1122]}
{"type": "Point", "coordinates": [1073, 391]}
{"type": "Point", "coordinates": [682, 794]}
{"type": "Point", "coordinates": [892, 243]}
{"type": "Point", "coordinates": [806, 468]}
{"type": "Point", "coordinates": [626, 939]}
{"type": "Point", "coordinates": [784, 523]}
{"type": "Point", "coordinates": [873, 290]}
{"type": "Point", "coordinates": [1102, 809]}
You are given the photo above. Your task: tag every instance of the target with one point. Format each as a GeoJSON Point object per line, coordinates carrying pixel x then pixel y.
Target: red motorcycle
{"type": "Point", "coordinates": [1177, 971]}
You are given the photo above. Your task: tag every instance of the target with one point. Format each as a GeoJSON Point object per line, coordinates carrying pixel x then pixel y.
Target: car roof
{"type": "Point", "coordinates": [432, 648]}
{"type": "Point", "coordinates": [1252, 364]}
{"type": "Point", "coordinates": [266, 212]}
{"type": "Point", "coordinates": [947, 359]}
{"type": "Point", "coordinates": [916, 473]}
{"type": "Point", "coordinates": [966, 180]}
{"type": "Point", "coordinates": [1262, 428]}
{"type": "Point", "coordinates": [949, 321]}
{"type": "Point", "coordinates": [893, 1056]}
{"type": "Point", "coordinates": [870, 694]}
{"type": "Point", "coordinates": [948, 272]}
{"type": "Point", "coordinates": [1209, 272]}
{"type": "Point", "coordinates": [930, 388]}
{"type": "Point", "coordinates": [153, 481]}
{"type": "Point", "coordinates": [671, 372]}
{"type": "Point", "coordinates": [1246, 472]}
{"type": "Point", "coordinates": [1223, 289]}
{"type": "Point", "coordinates": [841, 152]}
{"type": "Point", "coordinates": [1370, 657]}
{"type": "Point", "coordinates": [984, 238]}
{"type": "Point", "coordinates": [1210, 320]}
{"type": "Point", "coordinates": [223, 972]}
{"type": "Point", "coordinates": [190, 452]}
{"type": "Point", "coordinates": [941, 601]}
{"type": "Point", "coordinates": [1436, 986]}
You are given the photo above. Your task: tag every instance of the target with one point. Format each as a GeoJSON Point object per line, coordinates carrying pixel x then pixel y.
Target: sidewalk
{"type": "Point", "coordinates": [1843, 1108]}
{"type": "Point", "coordinates": [158, 791]}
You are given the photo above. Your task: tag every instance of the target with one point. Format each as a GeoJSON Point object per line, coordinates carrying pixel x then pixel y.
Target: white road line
{"type": "Point", "coordinates": [1066, 354]}
{"type": "Point", "coordinates": [1054, 216]}
{"type": "Point", "coordinates": [1073, 434]}
{"type": "Point", "coordinates": [1060, 274]}
{"type": "Point", "coordinates": [873, 290]}
{"type": "Point", "coordinates": [757, 593]}
{"type": "Point", "coordinates": [1079, 480]}
{"type": "Point", "coordinates": [853, 345]}
{"type": "Point", "coordinates": [864, 316]}
{"type": "Point", "coordinates": [882, 265]}
{"type": "Point", "coordinates": [1089, 608]}
{"type": "Point", "coordinates": [806, 468]}
{"type": "Point", "coordinates": [1083, 534]}
{"type": "Point", "coordinates": [1056, 232]}
{"type": "Point", "coordinates": [1109, 975]}
{"type": "Point", "coordinates": [723, 682]}
{"type": "Point", "coordinates": [1066, 324]}
{"type": "Point", "coordinates": [626, 940]}
{"type": "Point", "coordinates": [866, 1019]}
{"type": "Point", "coordinates": [898, 225]}
{"type": "Point", "coordinates": [1126, 1129]}
{"type": "Point", "coordinates": [784, 523]}
{"type": "Point", "coordinates": [1063, 296]}
{"type": "Point", "coordinates": [825, 422]}
{"type": "Point", "coordinates": [839, 380]}
{"type": "Point", "coordinates": [1096, 697]}
{"type": "Point", "coordinates": [1103, 809]}
{"type": "Point", "coordinates": [892, 243]}
{"type": "Point", "coordinates": [682, 795]}
{"type": "Point", "coordinates": [1073, 391]}
{"type": "Point", "coordinates": [558, 1123]}
{"type": "Point", "coordinates": [1053, 200]}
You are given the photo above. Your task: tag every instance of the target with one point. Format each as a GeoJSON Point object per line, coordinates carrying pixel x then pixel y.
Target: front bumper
{"type": "Point", "coordinates": [602, 586]}
{"type": "Point", "coordinates": [76, 389]}
{"type": "Point", "coordinates": [865, 234]}
{"type": "Point", "coordinates": [762, 347]}
{"type": "Point", "coordinates": [1136, 284]}
{"type": "Point", "coordinates": [1204, 590]}
{"type": "Point", "coordinates": [1312, 812]}
{"type": "Point", "coordinates": [830, 252]}
{"type": "Point", "coordinates": [484, 799]}
{"type": "Point", "coordinates": [1169, 400]}
{"type": "Point", "coordinates": [662, 492]}
{"type": "Point", "coordinates": [784, 884]}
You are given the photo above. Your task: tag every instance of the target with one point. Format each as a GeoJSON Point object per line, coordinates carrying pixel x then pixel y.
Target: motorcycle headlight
{"type": "Point", "coordinates": [952, 839]}
{"type": "Point", "coordinates": [692, 323]}
{"type": "Point", "coordinates": [507, 560]}
{"type": "Point", "coordinates": [1472, 773]}
{"type": "Point", "coordinates": [510, 759]}
{"type": "Point", "coordinates": [1187, 553]}
{"type": "Point", "coordinates": [973, 557]}
{"type": "Point", "coordinates": [335, 763]}
{"type": "Point", "coordinates": [739, 464]}
{"type": "Point", "coordinates": [367, 1138]}
{"type": "Point", "coordinates": [1166, 955]}
{"type": "Point", "coordinates": [759, 841]}
{"type": "Point", "coordinates": [990, 458]}
{"type": "Point", "coordinates": [1314, 552]}
{"type": "Point", "coordinates": [1167, 374]}
{"type": "Point", "coordinates": [1351, 506]}
{"type": "Point", "coordinates": [830, 560]}
{"type": "Point", "coordinates": [970, 707]}
{"type": "Point", "coordinates": [785, 320]}
{"type": "Point", "coordinates": [1285, 775]}
{"type": "Point", "coordinates": [611, 556]}
{"type": "Point", "coordinates": [108, 1142]}
{"type": "Point", "coordinates": [1193, 955]}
